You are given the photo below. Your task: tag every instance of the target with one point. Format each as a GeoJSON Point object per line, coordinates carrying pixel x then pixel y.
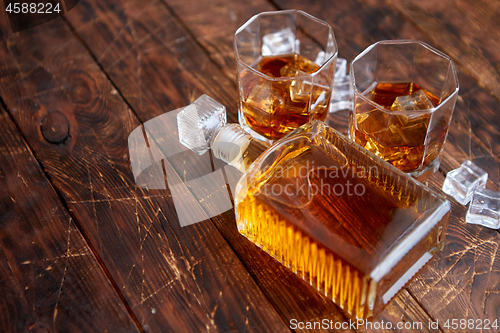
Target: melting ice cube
{"type": "Point", "coordinates": [281, 42]}
{"type": "Point", "coordinates": [416, 101]}
{"type": "Point", "coordinates": [485, 209]}
{"type": "Point", "coordinates": [197, 122]}
{"type": "Point", "coordinates": [340, 70]}
{"type": "Point", "coordinates": [264, 98]}
{"type": "Point", "coordinates": [462, 182]}
{"type": "Point", "coordinates": [300, 89]}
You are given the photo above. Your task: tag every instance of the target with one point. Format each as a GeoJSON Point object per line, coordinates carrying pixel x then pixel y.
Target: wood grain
{"type": "Point", "coordinates": [466, 30]}
{"type": "Point", "coordinates": [214, 26]}
{"type": "Point", "coordinates": [173, 278]}
{"type": "Point", "coordinates": [49, 276]}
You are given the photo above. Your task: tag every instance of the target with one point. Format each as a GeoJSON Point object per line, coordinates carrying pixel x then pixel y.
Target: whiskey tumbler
{"type": "Point", "coordinates": [404, 97]}
{"type": "Point", "coordinates": [286, 63]}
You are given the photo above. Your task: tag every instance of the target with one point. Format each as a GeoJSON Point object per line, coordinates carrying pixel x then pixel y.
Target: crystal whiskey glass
{"type": "Point", "coordinates": [404, 96]}
{"type": "Point", "coordinates": [286, 64]}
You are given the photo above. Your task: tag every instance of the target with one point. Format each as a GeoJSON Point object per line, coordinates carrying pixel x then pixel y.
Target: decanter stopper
{"type": "Point", "coordinates": [198, 122]}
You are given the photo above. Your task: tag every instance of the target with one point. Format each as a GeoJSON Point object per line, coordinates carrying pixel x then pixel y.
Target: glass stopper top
{"type": "Point", "coordinates": [198, 121]}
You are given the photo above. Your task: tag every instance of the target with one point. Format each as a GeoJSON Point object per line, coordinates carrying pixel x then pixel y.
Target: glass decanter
{"type": "Point", "coordinates": [347, 222]}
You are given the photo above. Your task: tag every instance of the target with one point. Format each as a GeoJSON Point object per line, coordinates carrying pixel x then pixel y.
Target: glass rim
{"type": "Point", "coordinates": [279, 12]}
{"type": "Point", "coordinates": [404, 41]}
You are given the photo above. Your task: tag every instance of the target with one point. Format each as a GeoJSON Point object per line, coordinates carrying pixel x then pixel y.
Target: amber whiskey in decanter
{"type": "Point", "coordinates": [344, 220]}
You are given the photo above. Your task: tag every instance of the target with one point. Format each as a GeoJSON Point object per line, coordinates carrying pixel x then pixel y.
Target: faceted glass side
{"type": "Point", "coordinates": [286, 63]}
{"type": "Point", "coordinates": [341, 94]}
{"type": "Point", "coordinates": [353, 226]}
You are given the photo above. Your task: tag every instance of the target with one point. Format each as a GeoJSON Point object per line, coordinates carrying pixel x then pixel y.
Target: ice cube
{"type": "Point", "coordinates": [416, 101]}
{"type": "Point", "coordinates": [320, 58]}
{"type": "Point", "coordinates": [485, 209]}
{"type": "Point", "coordinates": [265, 98]}
{"type": "Point", "coordinates": [281, 42]}
{"type": "Point", "coordinates": [300, 89]}
{"type": "Point", "coordinates": [340, 70]}
{"type": "Point", "coordinates": [291, 70]}
{"type": "Point", "coordinates": [462, 182]}
{"type": "Point", "coordinates": [197, 122]}
{"type": "Point", "coordinates": [341, 94]}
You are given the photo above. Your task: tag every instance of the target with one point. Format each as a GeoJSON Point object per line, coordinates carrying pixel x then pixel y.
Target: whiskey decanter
{"type": "Point", "coordinates": [350, 224]}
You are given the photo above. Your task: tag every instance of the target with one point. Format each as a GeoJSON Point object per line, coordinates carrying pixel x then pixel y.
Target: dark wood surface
{"type": "Point", "coordinates": [83, 248]}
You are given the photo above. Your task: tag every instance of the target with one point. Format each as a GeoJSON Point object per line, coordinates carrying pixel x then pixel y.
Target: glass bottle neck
{"type": "Point", "coordinates": [236, 147]}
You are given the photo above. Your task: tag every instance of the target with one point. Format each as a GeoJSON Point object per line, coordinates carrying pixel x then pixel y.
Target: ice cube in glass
{"type": "Point", "coordinates": [280, 42]}
{"type": "Point", "coordinates": [416, 101]}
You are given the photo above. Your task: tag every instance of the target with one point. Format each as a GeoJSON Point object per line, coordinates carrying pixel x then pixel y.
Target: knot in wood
{"type": "Point", "coordinates": [55, 127]}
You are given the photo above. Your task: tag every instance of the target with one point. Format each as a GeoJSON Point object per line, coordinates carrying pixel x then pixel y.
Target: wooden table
{"type": "Point", "coordinates": [83, 248]}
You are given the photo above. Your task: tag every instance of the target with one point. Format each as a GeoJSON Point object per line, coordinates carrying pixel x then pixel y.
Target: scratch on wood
{"type": "Point", "coordinates": [64, 273]}
{"type": "Point", "coordinates": [93, 198]}
{"type": "Point", "coordinates": [138, 44]}
{"type": "Point", "coordinates": [115, 37]}
{"type": "Point", "coordinates": [487, 292]}
{"type": "Point", "coordinates": [19, 176]}
{"type": "Point", "coordinates": [161, 196]}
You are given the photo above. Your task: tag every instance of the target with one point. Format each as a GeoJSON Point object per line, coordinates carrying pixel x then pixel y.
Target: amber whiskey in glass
{"type": "Point", "coordinates": [400, 139]}
{"type": "Point", "coordinates": [404, 94]}
{"type": "Point", "coordinates": [275, 108]}
{"type": "Point", "coordinates": [286, 63]}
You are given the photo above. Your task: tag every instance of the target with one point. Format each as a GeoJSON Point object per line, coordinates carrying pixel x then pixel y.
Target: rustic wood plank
{"type": "Point", "coordinates": [464, 280]}
{"type": "Point", "coordinates": [214, 26]}
{"type": "Point", "coordinates": [50, 279]}
{"type": "Point", "coordinates": [5, 28]}
{"type": "Point", "coordinates": [466, 30]}
{"type": "Point", "coordinates": [173, 278]}
{"type": "Point", "coordinates": [149, 56]}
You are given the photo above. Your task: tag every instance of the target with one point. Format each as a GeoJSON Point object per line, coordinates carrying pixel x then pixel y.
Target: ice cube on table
{"type": "Point", "coordinates": [198, 121]}
{"type": "Point", "coordinates": [416, 101]}
{"type": "Point", "coordinates": [462, 182]}
{"type": "Point", "coordinates": [340, 70]}
{"type": "Point", "coordinates": [281, 42]}
{"type": "Point", "coordinates": [485, 209]}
